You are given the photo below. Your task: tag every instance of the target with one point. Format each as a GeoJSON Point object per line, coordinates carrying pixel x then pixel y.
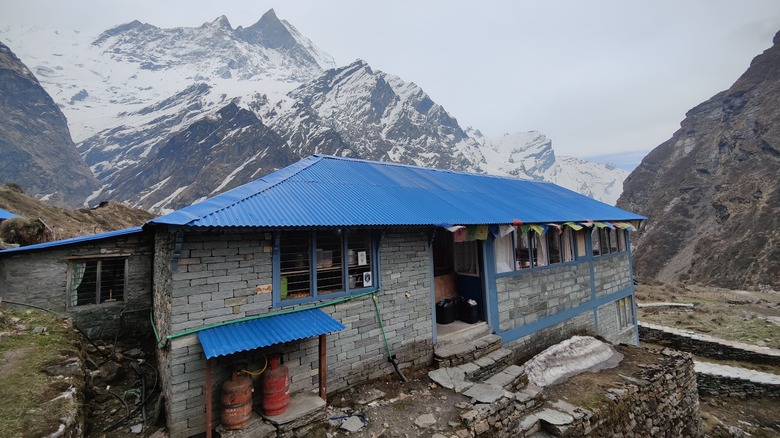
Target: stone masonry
{"type": "Point", "coordinates": [538, 293]}
{"type": "Point", "coordinates": [40, 278]}
{"type": "Point", "coordinates": [533, 295]}
{"type": "Point", "coordinates": [216, 280]}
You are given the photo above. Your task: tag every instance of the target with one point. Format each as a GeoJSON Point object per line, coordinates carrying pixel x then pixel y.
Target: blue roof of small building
{"type": "Point", "coordinates": [5, 214]}
{"type": "Point", "coordinates": [325, 191]}
{"type": "Point", "coordinates": [262, 332]}
{"type": "Point", "coordinates": [73, 240]}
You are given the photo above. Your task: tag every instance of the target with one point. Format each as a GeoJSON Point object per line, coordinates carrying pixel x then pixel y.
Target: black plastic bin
{"type": "Point", "coordinates": [468, 312]}
{"type": "Point", "coordinates": [445, 311]}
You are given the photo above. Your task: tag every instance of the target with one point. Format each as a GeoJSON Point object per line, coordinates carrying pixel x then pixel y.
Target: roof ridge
{"type": "Point", "coordinates": [414, 166]}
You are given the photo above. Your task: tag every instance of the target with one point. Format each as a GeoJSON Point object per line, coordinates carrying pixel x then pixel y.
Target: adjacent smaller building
{"type": "Point", "coordinates": [103, 281]}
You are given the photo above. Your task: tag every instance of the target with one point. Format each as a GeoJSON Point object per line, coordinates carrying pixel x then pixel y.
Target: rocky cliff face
{"type": "Point", "coordinates": [37, 151]}
{"type": "Point", "coordinates": [711, 192]}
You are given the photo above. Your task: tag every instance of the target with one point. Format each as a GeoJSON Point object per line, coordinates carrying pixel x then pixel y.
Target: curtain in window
{"type": "Point", "coordinates": [77, 274]}
{"type": "Point", "coordinates": [505, 257]}
{"type": "Point", "coordinates": [541, 249]}
{"type": "Point", "coordinates": [567, 248]}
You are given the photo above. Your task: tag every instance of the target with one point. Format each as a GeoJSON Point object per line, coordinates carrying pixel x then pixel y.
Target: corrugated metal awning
{"type": "Point", "coordinates": [262, 332]}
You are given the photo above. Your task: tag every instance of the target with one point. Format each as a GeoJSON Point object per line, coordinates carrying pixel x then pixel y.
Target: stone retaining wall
{"type": "Point", "coordinates": [706, 346]}
{"type": "Point", "coordinates": [661, 400]}
{"type": "Point", "coordinates": [710, 384]}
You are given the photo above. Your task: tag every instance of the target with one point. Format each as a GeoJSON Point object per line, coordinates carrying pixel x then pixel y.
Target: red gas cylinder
{"type": "Point", "coordinates": [276, 388]}
{"type": "Point", "coordinates": [236, 401]}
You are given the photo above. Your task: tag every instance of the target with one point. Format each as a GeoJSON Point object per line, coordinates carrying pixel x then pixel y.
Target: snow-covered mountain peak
{"type": "Point", "coordinates": [524, 153]}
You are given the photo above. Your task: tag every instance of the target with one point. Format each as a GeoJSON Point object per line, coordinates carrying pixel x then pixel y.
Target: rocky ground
{"type": "Point", "coordinates": [385, 407]}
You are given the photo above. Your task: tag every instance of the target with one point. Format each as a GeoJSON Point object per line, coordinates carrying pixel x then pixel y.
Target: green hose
{"type": "Point", "coordinates": [390, 356]}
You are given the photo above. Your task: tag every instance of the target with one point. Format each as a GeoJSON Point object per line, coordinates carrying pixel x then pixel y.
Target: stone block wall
{"type": "Point", "coordinates": [610, 329]}
{"type": "Point", "coordinates": [611, 274]}
{"type": "Point", "coordinates": [39, 277]}
{"type": "Point", "coordinates": [216, 280]}
{"type": "Point", "coordinates": [705, 345]}
{"type": "Point", "coordinates": [713, 384]}
{"type": "Point", "coordinates": [528, 346]}
{"type": "Point", "coordinates": [539, 293]}
{"type": "Point", "coordinates": [661, 400]}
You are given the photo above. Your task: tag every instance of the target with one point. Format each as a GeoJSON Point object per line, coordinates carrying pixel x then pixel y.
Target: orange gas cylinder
{"type": "Point", "coordinates": [236, 401]}
{"type": "Point", "coordinates": [276, 388]}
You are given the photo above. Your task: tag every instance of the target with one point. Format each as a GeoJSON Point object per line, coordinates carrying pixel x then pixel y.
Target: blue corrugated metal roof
{"type": "Point", "coordinates": [332, 191]}
{"type": "Point", "coordinates": [73, 240]}
{"type": "Point", "coordinates": [262, 332]}
{"type": "Point", "coordinates": [5, 214]}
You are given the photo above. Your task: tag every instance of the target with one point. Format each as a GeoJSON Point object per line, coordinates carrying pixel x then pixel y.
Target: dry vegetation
{"type": "Point", "coordinates": [747, 316]}
{"type": "Point", "coordinates": [752, 317]}
{"type": "Point", "coordinates": [62, 223]}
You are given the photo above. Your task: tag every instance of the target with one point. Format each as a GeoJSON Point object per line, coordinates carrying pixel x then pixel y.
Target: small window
{"type": "Point", "coordinates": [314, 264]}
{"type": "Point", "coordinates": [625, 312]}
{"type": "Point", "coordinates": [97, 281]}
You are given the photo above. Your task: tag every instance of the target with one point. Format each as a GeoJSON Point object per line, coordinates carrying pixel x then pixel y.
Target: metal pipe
{"type": "Point", "coordinates": [323, 368]}
{"type": "Point", "coordinates": [207, 394]}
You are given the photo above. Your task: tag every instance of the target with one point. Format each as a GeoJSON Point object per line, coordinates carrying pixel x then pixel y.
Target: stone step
{"type": "Point", "coordinates": [488, 365]}
{"type": "Point", "coordinates": [459, 332]}
{"type": "Point", "coordinates": [512, 378]}
{"type": "Point", "coordinates": [468, 351]}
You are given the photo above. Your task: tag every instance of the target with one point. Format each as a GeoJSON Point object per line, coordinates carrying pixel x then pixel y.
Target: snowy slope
{"type": "Point", "coordinates": [531, 154]}
{"type": "Point", "coordinates": [98, 79]}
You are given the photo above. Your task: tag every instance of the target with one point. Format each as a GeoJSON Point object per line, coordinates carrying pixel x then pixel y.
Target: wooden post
{"type": "Point", "coordinates": [207, 394]}
{"type": "Point", "coordinates": [323, 368]}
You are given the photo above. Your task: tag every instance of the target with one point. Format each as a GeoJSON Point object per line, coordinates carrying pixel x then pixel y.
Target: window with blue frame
{"type": "Point", "coordinates": [316, 264]}
{"type": "Point", "coordinates": [525, 248]}
{"type": "Point", "coordinates": [606, 240]}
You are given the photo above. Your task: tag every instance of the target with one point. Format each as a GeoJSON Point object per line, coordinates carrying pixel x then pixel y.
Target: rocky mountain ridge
{"type": "Point", "coordinates": [163, 94]}
{"type": "Point", "coordinates": [35, 144]}
{"type": "Point", "coordinates": [711, 193]}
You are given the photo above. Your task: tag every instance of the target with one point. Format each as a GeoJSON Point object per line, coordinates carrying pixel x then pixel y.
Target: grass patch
{"type": "Point", "coordinates": [23, 384]}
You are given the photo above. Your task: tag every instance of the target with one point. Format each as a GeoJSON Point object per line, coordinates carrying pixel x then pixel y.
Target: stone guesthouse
{"type": "Point", "coordinates": [342, 267]}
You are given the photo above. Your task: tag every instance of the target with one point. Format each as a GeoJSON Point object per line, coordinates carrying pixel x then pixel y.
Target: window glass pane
{"type": "Point", "coordinates": [621, 235]}
{"type": "Point", "coordinates": [466, 258]}
{"type": "Point", "coordinates": [613, 241]}
{"type": "Point", "coordinates": [86, 286]}
{"type": "Point", "coordinates": [538, 249]}
{"type": "Point", "coordinates": [505, 260]}
{"type": "Point", "coordinates": [295, 264]}
{"type": "Point", "coordinates": [359, 259]}
{"type": "Point", "coordinates": [523, 250]}
{"type": "Point", "coordinates": [329, 268]}
{"type": "Point", "coordinates": [582, 250]}
{"type": "Point", "coordinates": [567, 244]}
{"type": "Point", "coordinates": [112, 280]}
{"type": "Point", "coordinates": [604, 240]}
{"type": "Point", "coordinates": [553, 245]}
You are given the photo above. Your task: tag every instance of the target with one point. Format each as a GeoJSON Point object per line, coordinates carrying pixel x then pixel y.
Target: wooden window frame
{"type": "Point", "coordinates": [72, 301]}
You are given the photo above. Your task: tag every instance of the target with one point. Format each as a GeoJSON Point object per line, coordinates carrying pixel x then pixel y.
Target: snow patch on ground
{"type": "Point", "coordinates": [569, 358]}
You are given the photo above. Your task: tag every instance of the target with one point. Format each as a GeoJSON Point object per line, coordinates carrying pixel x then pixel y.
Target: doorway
{"type": "Point", "coordinates": [458, 283]}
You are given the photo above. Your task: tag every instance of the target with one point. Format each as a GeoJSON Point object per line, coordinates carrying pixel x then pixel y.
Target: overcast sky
{"type": "Point", "coordinates": [597, 77]}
